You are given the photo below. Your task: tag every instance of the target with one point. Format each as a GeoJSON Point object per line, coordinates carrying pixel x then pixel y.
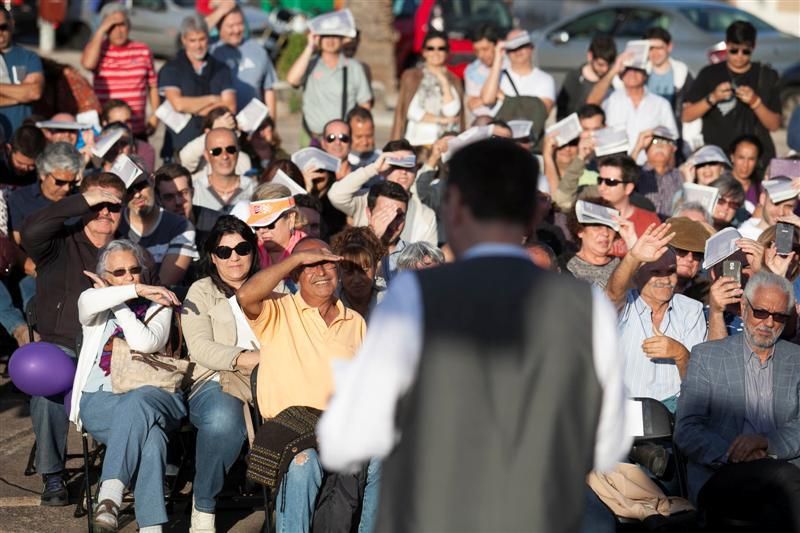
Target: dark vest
{"type": "Point", "coordinates": [498, 431]}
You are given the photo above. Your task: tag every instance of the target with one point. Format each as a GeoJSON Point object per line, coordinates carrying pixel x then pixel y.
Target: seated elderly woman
{"type": "Point", "coordinates": [360, 288]}
{"type": "Point", "coordinates": [133, 425]}
{"type": "Point", "coordinates": [225, 350]}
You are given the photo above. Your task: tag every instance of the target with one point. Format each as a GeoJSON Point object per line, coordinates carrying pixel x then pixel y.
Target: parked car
{"type": "Point", "coordinates": [790, 90]}
{"type": "Point", "coordinates": [697, 28]}
{"type": "Point", "coordinates": [413, 19]}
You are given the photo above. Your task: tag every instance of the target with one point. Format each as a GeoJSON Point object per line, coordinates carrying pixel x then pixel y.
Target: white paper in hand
{"type": "Point", "coordinates": [719, 246]}
{"type": "Point", "coordinates": [780, 189]}
{"type": "Point", "coordinates": [89, 117]}
{"type": "Point", "coordinates": [126, 169]}
{"type": "Point", "coordinates": [589, 213]}
{"type": "Point", "coordinates": [406, 161]}
{"type": "Point", "coordinates": [639, 51]}
{"type": "Point", "coordinates": [470, 136]}
{"type": "Point", "coordinates": [701, 194]}
{"type": "Point", "coordinates": [104, 143]}
{"type": "Point", "coordinates": [62, 125]}
{"type": "Point", "coordinates": [174, 120]}
{"type": "Point", "coordinates": [567, 129]}
{"type": "Point", "coordinates": [314, 158]}
{"type": "Point", "coordinates": [281, 178]}
{"type": "Point", "coordinates": [251, 117]}
{"type": "Point", "coordinates": [523, 39]}
{"type": "Point", "coordinates": [334, 23]}
{"type": "Point", "coordinates": [610, 141]}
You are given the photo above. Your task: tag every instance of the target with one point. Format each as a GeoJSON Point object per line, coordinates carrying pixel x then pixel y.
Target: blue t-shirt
{"type": "Point", "coordinates": [251, 69]}
{"type": "Point", "coordinates": [662, 84]}
{"type": "Point", "coordinates": [20, 62]}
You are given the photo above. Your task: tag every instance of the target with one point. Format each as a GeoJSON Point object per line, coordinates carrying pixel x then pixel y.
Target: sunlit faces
{"type": "Point", "coordinates": [765, 316]}
{"type": "Point", "coordinates": [612, 188]}
{"type": "Point", "coordinates": [104, 219]}
{"type": "Point", "coordinates": [739, 55]}
{"type": "Point", "coordinates": [317, 281]}
{"type": "Point", "coordinates": [175, 195]}
{"type": "Point", "coordinates": [336, 139]}
{"type": "Point", "coordinates": [22, 163]}
{"type": "Point", "coordinates": [435, 52]}
{"type": "Point", "coordinates": [363, 136]}
{"type": "Point", "coordinates": [744, 160]}
{"type": "Point", "coordinates": [235, 268]}
{"type": "Point", "coordinates": [633, 78]}
{"type": "Point", "coordinates": [688, 263]}
{"type": "Point", "coordinates": [708, 172]}
{"type": "Point", "coordinates": [401, 175]}
{"type": "Point", "coordinates": [659, 52]}
{"type": "Point", "coordinates": [118, 34]}
{"type": "Point", "coordinates": [331, 43]}
{"type": "Point", "coordinates": [195, 43]}
{"type": "Point", "coordinates": [773, 211]}
{"type": "Point", "coordinates": [276, 236]}
{"type": "Point", "coordinates": [597, 240]}
{"type": "Point", "coordinates": [231, 30]}
{"type": "Point", "coordinates": [484, 51]}
{"type": "Point", "coordinates": [222, 152]}
{"type": "Point", "coordinates": [56, 185]}
{"type": "Point", "coordinates": [122, 268]}
{"type": "Point", "coordinates": [141, 198]}
{"type": "Point", "coordinates": [725, 209]}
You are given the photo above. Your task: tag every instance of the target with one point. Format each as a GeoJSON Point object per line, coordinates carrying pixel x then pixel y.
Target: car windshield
{"type": "Point", "coordinates": [717, 20]}
{"type": "Point", "coordinates": [185, 3]}
{"type": "Point", "coordinates": [463, 16]}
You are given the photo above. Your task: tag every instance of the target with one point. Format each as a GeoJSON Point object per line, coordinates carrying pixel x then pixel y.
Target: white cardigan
{"type": "Point", "coordinates": [95, 307]}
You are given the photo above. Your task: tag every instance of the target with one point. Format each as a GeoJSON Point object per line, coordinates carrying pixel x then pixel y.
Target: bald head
{"type": "Point", "coordinates": [310, 244]}
{"type": "Point", "coordinates": [222, 152]}
{"type": "Point", "coordinates": [221, 135]}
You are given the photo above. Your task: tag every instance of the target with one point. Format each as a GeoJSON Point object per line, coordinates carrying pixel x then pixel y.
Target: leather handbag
{"type": "Point", "coordinates": [166, 370]}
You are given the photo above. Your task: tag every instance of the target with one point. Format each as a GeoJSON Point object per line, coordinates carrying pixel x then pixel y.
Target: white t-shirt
{"type": "Point", "coordinates": [536, 83]}
{"type": "Point", "coordinates": [653, 111]}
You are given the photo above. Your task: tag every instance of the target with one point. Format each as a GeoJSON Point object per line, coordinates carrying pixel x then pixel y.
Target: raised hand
{"type": "Point", "coordinates": [159, 295]}
{"type": "Point", "coordinates": [743, 446]}
{"type": "Point", "coordinates": [627, 231]}
{"type": "Point", "coordinates": [753, 251]}
{"type": "Point", "coordinates": [778, 264]}
{"type": "Point", "coordinates": [652, 244]}
{"type": "Point", "coordinates": [96, 195]}
{"type": "Point", "coordinates": [724, 292]}
{"type": "Point", "coordinates": [317, 255]}
{"type": "Point", "coordinates": [381, 219]}
{"type": "Point", "coordinates": [722, 92]}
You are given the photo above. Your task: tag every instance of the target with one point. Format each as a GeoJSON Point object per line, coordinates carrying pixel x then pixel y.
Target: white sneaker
{"type": "Point", "coordinates": [202, 522]}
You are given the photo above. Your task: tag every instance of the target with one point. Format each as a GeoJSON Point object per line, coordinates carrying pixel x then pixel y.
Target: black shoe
{"type": "Point", "coordinates": [55, 491]}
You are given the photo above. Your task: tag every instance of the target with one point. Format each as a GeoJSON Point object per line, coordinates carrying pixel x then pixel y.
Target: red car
{"type": "Point", "coordinates": [413, 19]}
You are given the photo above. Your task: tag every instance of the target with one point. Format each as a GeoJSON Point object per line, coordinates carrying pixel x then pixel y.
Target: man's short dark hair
{"type": "Point", "coordinates": [390, 190]}
{"type": "Point", "coordinates": [629, 168]}
{"type": "Point", "coordinates": [591, 110]}
{"type": "Point", "coordinates": [28, 141]}
{"type": "Point", "coordinates": [603, 47]}
{"type": "Point", "coordinates": [169, 172]}
{"type": "Point", "coordinates": [398, 144]}
{"type": "Point", "coordinates": [485, 31]}
{"type": "Point", "coordinates": [103, 179]}
{"type": "Point", "coordinates": [359, 113]}
{"type": "Point", "coordinates": [496, 180]}
{"type": "Point", "coordinates": [236, 9]}
{"type": "Point", "coordinates": [741, 32]}
{"type": "Point", "coordinates": [659, 33]}
{"type": "Point", "coordinates": [308, 201]}
{"type": "Point", "coordinates": [334, 121]}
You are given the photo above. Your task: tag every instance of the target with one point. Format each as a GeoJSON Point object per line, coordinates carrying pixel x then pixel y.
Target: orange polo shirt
{"type": "Point", "coordinates": [297, 351]}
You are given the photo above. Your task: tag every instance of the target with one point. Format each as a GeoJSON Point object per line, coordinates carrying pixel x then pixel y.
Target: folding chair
{"type": "Point", "coordinates": [269, 507]}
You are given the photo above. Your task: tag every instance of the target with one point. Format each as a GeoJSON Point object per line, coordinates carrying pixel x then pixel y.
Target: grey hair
{"type": "Point", "coordinates": [763, 279]}
{"type": "Point", "coordinates": [59, 156]}
{"type": "Point", "coordinates": [114, 7]}
{"type": "Point", "coordinates": [270, 191]}
{"type": "Point", "coordinates": [696, 207]}
{"type": "Point", "coordinates": [193, 24]}
{"type": "Point", "coordinates": [415, 253]}
{"type": "Point", "coordinates": [728, 186]}
{"type": "Point", "coordinates": [120, 245]}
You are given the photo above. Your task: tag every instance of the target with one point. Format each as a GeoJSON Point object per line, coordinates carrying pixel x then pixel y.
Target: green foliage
{"type": "Point", "coordinates": [294, 47]}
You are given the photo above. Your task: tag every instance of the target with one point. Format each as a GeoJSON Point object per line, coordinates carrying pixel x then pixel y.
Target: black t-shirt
{"type": "Point", "coordinates": [728, 120]}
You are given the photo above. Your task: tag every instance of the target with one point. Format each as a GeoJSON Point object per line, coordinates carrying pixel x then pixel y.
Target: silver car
{"type": "Point", "coordinates": [697, 28]}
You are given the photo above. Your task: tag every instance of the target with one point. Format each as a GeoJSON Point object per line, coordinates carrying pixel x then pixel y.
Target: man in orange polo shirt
{"type": "Point", "coordinates": [301, 335]}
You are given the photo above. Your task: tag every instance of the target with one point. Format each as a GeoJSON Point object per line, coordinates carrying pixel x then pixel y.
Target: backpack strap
{"type": "Point", "coordinates": [513, 85]}
{"type": "Point", "coordinates": [344, 90]}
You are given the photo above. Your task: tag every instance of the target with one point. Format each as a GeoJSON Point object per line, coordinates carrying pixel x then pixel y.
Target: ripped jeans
{"type": "Point", "coordinates": [297, 495]}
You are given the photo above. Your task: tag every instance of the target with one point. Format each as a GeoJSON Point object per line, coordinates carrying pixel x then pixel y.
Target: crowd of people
{"type": "Point", "coordinates": [416, 304]}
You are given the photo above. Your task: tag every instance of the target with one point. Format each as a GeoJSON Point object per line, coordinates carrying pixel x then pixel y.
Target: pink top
{"type": "Point", "coordinates": [263, 254]}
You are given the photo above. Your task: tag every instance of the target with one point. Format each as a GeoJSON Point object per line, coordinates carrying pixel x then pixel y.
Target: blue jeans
{"type": "Point", "coordinates": [10, 316]}
{"type": "Point", "coordinates": [134, 428]}
{"type": "Point", "coordinates": [27, 289]}
{"type": "Point", "coordinates": [50, 425]}
{"type": "Point", "coordinates": [597, 518]}
{"type": "Point", "coordinates": [219, 420]}
{"type": "Point", "coordinates": [297, 495]}
{"type": "Point", "coordinates": [369, 507]}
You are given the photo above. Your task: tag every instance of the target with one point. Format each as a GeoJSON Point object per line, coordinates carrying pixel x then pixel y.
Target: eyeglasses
{"type": "Point", "coordinates": [763, 314]}
{"type": "Point", "coordinates": [697, 256]}
{"type": "Point", "coordinates": [112, 208]}
{"type": "Point", "coordinates": [732, 204]}
{"type": "Point", "coordinates": [172, 196]}
{"type": "Point", "coordinates": [271, 226]}
{"type": "Point", "coordinates": [216, 152]}
{"type": "Point", "coordinates": [5, 27]}
{"type": "Point", "coordinates": [610, 182]}
{"type": "Point", "coordinates": [118, 273]}
{"type": "Point", "coordinates": [744, 50]}
{"type": "Point", "coordinates": [243, 249]}
{"type": "Point", "coordinates": [343, 137]}
{"type": "Point", "coordinates": [436, 48]}
{"type": "Point", "coordinates": [326, 265]}
{"type": "Point", "coordinates": [61, 183]}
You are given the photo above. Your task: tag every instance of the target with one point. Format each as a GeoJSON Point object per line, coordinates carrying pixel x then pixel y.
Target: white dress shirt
{"type": "Point", "coordinates": [359, 423]}
{"type": "Point", "coordinates": [652, 111]}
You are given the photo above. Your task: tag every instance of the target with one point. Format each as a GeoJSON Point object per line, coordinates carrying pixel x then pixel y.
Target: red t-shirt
{"type": "Point", "coordinates": [641, 218]}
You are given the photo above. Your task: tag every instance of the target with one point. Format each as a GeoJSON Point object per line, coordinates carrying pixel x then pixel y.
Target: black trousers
{"type": "Point", "coordinates": [761, 495]}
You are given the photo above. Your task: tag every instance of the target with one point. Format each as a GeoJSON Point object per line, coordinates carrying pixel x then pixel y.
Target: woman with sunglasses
{"type": "Point", "coordinates": [429, 101]}
{"type": "Point", "coordinates": [729, 202]}
{"type": "Point", "coordinates": [133, 425]}
{"type": "Point", "coordinates": [225, 351]}
{"type": "Point", "coordinates": [705, 165]}
{"type": "Point", "coordinates": [361, 289]}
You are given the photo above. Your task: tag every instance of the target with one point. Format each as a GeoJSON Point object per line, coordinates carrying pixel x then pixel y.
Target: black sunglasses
{"type": "Point", "coordinates": [5, 27]}
{"type": "Point", "coordinates": [609, 182]}
{"type": "Point", "coordinates": [243, 249]}
{"type": "Point", "coordinates": [118, 273]}
{"type": "Point", "coordinates": [271, 225]}
{"type": "Point", "coordinates": [697, 256]}
{"type": "Point", "coordinates": [331, 137]}
{"type": "Point", "coordinates": [436, 48]}
{"type": "Point", "coordinates": [62, 183]}
{"type": "Point", "coordinates": [112, 208]}
{"type": "Point", "coordinates": [763, 314]}
{"type": "Point", "coordinates": [744, 50]}
{"type": "Point", "coordinates": [216, 152]}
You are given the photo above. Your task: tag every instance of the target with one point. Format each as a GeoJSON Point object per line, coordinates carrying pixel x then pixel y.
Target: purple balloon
{"type": "Point", "coordinates": [41, 369]}
{"type": "Point", "coordinates": [68, 402]}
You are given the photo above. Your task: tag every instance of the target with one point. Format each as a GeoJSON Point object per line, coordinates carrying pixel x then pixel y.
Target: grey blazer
{"type": "Point", "coordinates": [711, 407]}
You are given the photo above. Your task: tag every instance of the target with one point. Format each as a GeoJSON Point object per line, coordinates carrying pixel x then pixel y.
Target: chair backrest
{"type": "Point", "coordinates": [657, 421]}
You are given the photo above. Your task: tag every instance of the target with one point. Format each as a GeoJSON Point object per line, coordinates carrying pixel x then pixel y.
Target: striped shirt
{"type": "Point", "coordinates": [126, 73]}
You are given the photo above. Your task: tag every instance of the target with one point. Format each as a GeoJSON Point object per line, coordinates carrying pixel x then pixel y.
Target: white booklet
{"type": "Point", "coordinates": [281, 178]}
{"type": "Point", "coordinates": [334, 23]}
{"type": "Point", "coordinates": [174, 120]}
{"type": "Point", "coordinates": [126, 169]}
{"type": "Point", "coordinates": [610, 141]}
{"type": "Point", "coordinates": [251, 117]}
{"type": "Point", "coordinates": [406, 161]}
{"type": "Point", "coordinates": [106, 140]}
{"type": "Point", "coordinates": [520, 129]}
{"type": "Point", "coordinates": [89, 117]}
{"type": "Point", "coordinates": [313, 158]}
{"type": "Point", "coordinates": [701, 194]}
{"type": "Point", "coordinates": [519, 41]}
{"type": "Point", "coordinates": [589, 213]}
{"type": "Point", "coordinates": [467, 137]}
{"type": "Point", "coordinates": [780, 189]}
{"type": "Point", "coordinates": [62, 125]}
{"type": "Point", "coordinates": [719, 246]}
{"type": "Point", "coordinates": [639, 51]}
{"type": "Point", "coordinates": [567, 129]}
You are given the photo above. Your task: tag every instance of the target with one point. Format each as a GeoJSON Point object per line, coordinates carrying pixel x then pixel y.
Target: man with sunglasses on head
{"type": "Point", "coordinates": [737, 96]}
{"type": "Point", "coordinates": [169, 238]}
{"type": "Point", "coordinates": [396, 164]}
{"type": "Point", "coordinates": [62, 253]}
{"type": "Point", "coordinates": [21, 78]}
{"type": "Point", "coordinates": [737, 414]}
{"type": "Point", "coordinates": [217, 186]}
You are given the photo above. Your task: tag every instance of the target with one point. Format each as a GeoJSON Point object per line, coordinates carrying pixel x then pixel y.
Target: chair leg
{"type": "Point", "coordinates": [30, 468]}
{"type": "Point", "coordinates": [87, 483]}
{"type": "Point", "coordinates": [267, 527]}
